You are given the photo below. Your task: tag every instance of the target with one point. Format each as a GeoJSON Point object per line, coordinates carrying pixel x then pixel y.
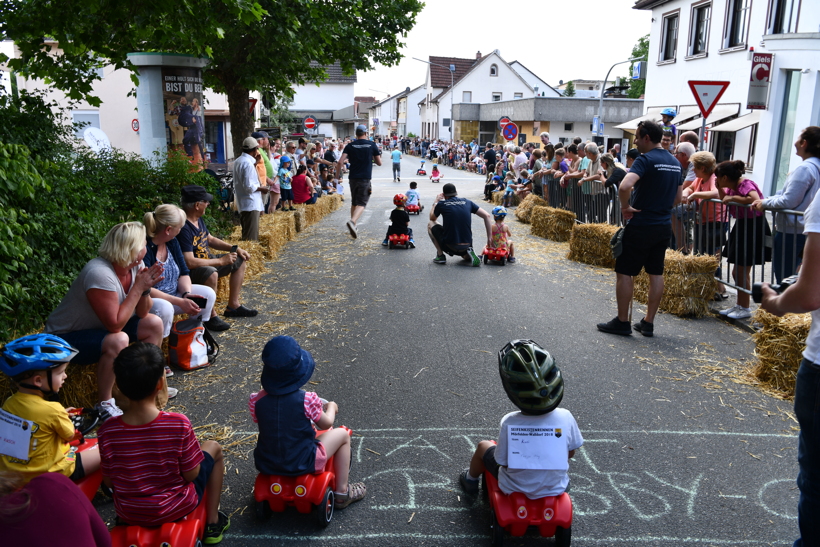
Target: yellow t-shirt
{"type": "Point", "coordinates": [49, 451]}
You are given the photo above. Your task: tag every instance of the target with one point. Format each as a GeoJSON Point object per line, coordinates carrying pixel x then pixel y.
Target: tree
{"type": "Point", "coordinates": [262, 45]}
{"type": "Point", "coordinates": [641, 49]}
{"type": "Point", "coordinates": [569, 91]}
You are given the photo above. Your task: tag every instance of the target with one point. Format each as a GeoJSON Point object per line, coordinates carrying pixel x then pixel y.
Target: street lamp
{"type": "Point", "coordinates": [603, 86]}
{"type": "Point", "coordinates": [452, 69]}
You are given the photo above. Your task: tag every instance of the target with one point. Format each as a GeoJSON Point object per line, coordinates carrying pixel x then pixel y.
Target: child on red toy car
{"type": "Point", "coordinates": [413, 196]}
{"type": "Point", "coordinates": [151, 459]}
{"type": "Point", "coordinates": [537, 467]}
{"type": "Point", "coordinates": [400, 221]}
{"type": "Point", "coordinates": [286, 415]}
{"type": "Point", "coordinates": [37, 365]}
{"type": "Point", "coordinates": [502, 236]}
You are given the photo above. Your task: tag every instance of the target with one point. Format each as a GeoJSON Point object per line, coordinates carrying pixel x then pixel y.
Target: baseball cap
{"type": "Point", "coordinates": [496, 177]}
{"type": "Point", "coordinates": [260, 135]}
{"type": "Point", "coordinates": [249, 143]}
{"type": "Point", "coordinates": [361, 130]}
{"type": "Point", "coordinates": [194, 193]}
{"type": "Point", "coordinates": [449, 190]}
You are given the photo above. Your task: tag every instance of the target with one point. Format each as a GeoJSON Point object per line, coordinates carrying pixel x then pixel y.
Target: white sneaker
{"type": "Point", "coordinates": [168, 371]}
{"type": "Point", "coordinates": [172, 392]}
{"type": "Point", "coordinates": [740, 313]}
{"type": "Point", "coordinates": [109, 407]}
{"type": "Point", "coordinates": [351, 226]}
{"type": "Point", "coordinates": [727, 311]}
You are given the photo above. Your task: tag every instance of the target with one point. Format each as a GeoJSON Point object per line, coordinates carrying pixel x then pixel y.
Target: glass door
{"type": "Point", "coordinates": [786, 133]}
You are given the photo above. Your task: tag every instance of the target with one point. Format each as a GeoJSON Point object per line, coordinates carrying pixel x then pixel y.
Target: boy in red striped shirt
{"type": "Point", "coordinates": [151, 459]}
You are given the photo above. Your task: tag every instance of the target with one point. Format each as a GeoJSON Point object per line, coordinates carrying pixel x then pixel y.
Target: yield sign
{"type": "Point", "coordinates": [707, 94]}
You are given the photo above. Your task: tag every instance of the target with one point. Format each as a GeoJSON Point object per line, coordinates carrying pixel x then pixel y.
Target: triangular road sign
{"type": "Point", "coordinates": [707, 94]}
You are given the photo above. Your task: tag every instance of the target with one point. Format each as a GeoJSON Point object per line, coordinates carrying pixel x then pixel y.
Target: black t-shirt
{"type": "Point", "coordinates": [456, 219]}
{"type": "Point", "coordinates": [399, 218]}
{"type": "Point", "coordinates": [618, 175]}
{"type": "Point", "coordinates": [489, 156]}
{"type": "Point", "coordinates": [194, 239]}
{"type": "Point", "coordinates": [361, 153]}
{"type": "Point", "coordinates": [654, 193]}
{"type": "Point", "coordinates": [329, 156]}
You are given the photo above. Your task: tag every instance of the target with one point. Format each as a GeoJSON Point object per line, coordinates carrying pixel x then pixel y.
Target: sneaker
{"type": "Point", "coordinates": [108, 409]}
{"type": "Point", "coordinates": [474, 257]}
{"type": "Point", "coordinates": [168, 371]}
{"type": "Point", "coordinates": [241, 311]}
{"type": "Point", "coordinates": [216, 324]}
{"type": "Point", "coordinates": [469, 486]}
{"type": "Point", "coordinates": [213, 532]}
{"type": "Point", "coordinates": [511, 260]}
{"type": "Point", "coordinates": [740, 313]}
{"type": "Point", "coordinates": [727, 311]}
{"type": "Point", "coordinates": [645, 328]}
{"type": "Point", "coordinates": [399, 179]}
{"type": "Point", "coordinates": [291, 209]}
{"type": "Point", "coordinates": [172, 392]}
{"type": "Point", "coordinates": [616, 326]}
{"type": "Point", "coordinates": [441, 259]}
{"type": "Point", "coordinates": [351, 226]}
{"type": "Point", "coordinates": [412, 244]}
{"type": "Point", "coordinates": [385, 243]}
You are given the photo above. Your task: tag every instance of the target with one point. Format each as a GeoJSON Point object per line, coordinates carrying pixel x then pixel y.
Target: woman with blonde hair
{"type": "Point", "coordinates": [174, 293]}
{"type": "Point", "coordinates": [108, 307]}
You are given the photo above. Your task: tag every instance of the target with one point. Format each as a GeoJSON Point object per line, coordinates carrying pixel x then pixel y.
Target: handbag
{"type": "Point", "coordinates": [617, 242]}
{"type": "Point", "coordinates": [190, 345]}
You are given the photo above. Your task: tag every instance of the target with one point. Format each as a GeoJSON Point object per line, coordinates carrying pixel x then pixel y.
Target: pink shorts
{"type": "Point", "coordinates": [321, 458]}
{"type": "Point", "coordinates": [275, 188]}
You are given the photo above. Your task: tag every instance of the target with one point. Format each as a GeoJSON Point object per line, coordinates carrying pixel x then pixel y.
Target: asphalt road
{"type": "Point", "coordinates": [677, 451]}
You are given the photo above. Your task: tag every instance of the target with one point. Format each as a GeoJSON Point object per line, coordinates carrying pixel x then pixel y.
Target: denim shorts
{"type": "Point", "coordinates": [205, 470]}
{"type": "Point", "coordinates": [89, 341]}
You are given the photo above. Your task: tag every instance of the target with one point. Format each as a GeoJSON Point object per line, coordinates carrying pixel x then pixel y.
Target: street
{"type": "Point", "coordinates": [678, 451]}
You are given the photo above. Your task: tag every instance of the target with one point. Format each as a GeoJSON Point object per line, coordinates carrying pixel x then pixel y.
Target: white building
{"type": "Point", "coordinates": [398, 114]}
{"type": "Point", "coordinates": [323, 99]}
{"type": "Point", "coordinates": [590, 89]}
{"type": "Point", "coordinates": [713, 40]}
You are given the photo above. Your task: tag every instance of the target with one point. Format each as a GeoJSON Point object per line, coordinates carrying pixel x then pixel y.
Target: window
{"type": "Point", "coordinates": [783, 15]}
{"type": "Point", "coordinates": [669, 38]}
{"type": "Point", "coordinates": [785, 135]}
{"type": "Point", "coordinates": [750, 161]}
{"type": "Point", "coordinates": [699, 32]}
{"type": "Point", "coordinates": [518, 95]}
{"type": "Point", "coordinates": [568, 127]}
{"type": "Point", "coordinates": [737, 24]}
{"type": "Point", "coordinates": [466, 96]}
{"type": "Point", "coordinates": [88, 118]}
{"type": "Point", "coordinates": [493, 70]}
{"type": "Point", "coordinates": [496, 97]}
{"type": "Point", "coordinates": [445, 122]}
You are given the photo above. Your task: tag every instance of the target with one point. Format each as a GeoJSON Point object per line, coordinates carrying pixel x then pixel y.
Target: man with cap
{"type": "Point", "coordinates": [196, 243]}
{"type": "Point", "coordinates": [361, 153]}
{"type": "Point", "coordinates": [248, 189]}
{"type": "Point", "coordinates": [455, 235]}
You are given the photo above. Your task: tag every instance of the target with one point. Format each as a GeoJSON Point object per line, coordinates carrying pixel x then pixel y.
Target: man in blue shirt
{"type": "Point", "coordinates": [396, 157]}
{"type": "Point", "coordinates": [455, 236]}
{"type": "Point", "coordinates": [361, 153]}
{"type": "Point", "coordinates": [656, 179]}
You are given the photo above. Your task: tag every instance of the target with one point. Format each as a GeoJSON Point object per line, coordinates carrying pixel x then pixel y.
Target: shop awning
{"type": "Point", "coordinates": [686, 112]}
{"type": "Point", "coordinates": [721, 112]}
{"type": "Point", "coordinates": [739, 123]}
{"type": "Point", "coordinates": [652, 113]}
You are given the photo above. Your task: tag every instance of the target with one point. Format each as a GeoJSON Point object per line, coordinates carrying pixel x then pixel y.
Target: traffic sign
{"type": "Point", "coordinates": [707, 94]}
{"type": "Point", "coordinates": [502, 121]}
{"type": "Point", "coordinates": [510, 131]}
{"type": "Point", "coordinates": [310, 123]}
{"type": "Point", "coordinates": [135, 124]}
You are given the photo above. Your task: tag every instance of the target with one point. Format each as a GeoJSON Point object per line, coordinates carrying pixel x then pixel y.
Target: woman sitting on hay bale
{"type": "Point", "coordinates": [108, 307]}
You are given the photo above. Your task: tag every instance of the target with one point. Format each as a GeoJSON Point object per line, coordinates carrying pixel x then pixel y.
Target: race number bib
{"type": "Point", "coordinates": [537, 448]}
{"type": "Point", "coordinates": [15, 436]}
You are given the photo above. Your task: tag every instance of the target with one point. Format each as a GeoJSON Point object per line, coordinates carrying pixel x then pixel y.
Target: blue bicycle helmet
{"type": "Point", "coordinates": [669, 112]}
{"type": "Point", "coordinates": [35, 352]}
{"type": "Point", "coordinates": [499, 211]}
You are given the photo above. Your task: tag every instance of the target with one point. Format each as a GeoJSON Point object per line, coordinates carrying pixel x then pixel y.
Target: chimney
{"type": "Point", "coordinates": [478, 55]}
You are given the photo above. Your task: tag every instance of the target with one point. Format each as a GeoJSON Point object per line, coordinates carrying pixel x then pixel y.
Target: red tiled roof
{"type": "Point", "coordinates": [365, 99]}
{"type": "Point", "coordinates": [440, 77]}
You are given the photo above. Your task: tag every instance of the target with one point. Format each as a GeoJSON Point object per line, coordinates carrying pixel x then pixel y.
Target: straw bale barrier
{"type": "Point", "coordinates": [779, 349]}
{"type": "Point", "coordinates": [551, 223]}
{"type": "Point", "coordinates": [524, 210]}
{"type": "Point", "coordinates": [274, 232]}
{"type": "Point", "coordinates": [589, 243]}
{"type": "Point", "coordinates": [689, 284]}
{"type": "Point", "coordinates": [498, 199]}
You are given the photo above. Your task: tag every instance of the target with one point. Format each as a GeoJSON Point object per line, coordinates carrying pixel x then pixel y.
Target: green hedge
{"type": "Point", "coordinates": [58, 200]}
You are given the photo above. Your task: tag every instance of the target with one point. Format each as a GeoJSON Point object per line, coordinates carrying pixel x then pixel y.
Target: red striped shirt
{"type": "Point", "coordinates": [145, 463]}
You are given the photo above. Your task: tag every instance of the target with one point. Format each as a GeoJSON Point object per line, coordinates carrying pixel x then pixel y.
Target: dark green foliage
{"type": "Point", "coordinates": [58, 200]}
{"type": "Point", "coordinates": [641, 49]}
{"type": "Point", "coordinates": [570, 89]}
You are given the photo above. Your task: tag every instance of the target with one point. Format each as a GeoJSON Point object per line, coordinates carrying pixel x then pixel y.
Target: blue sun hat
{"type": "Point", "coordinates": [287, 367]}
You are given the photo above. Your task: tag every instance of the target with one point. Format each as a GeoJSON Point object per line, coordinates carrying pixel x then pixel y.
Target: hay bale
{"type": "Point", "coordinates": [274, 231]}
{"type": "Point", "coordinates": [689, 284]}
{"type": "Point", "coordinates": [589, 243]}
{"type": "Point", "coordinates": [524, 210]}
{"type": "Point", "coordinates": [498, 199]}
{"type": "Point", "coordinates": [551, 223]}
{"type": "Point", "coordinates": [779, 349]}
{"type": "Point", "coordinates": [79, 389]}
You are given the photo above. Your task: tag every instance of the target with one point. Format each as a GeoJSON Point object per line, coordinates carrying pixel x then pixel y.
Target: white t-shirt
{"type": "Point", "coordinates": [811, 220]}
{"type": "Point", "coordinates": [536, 483]}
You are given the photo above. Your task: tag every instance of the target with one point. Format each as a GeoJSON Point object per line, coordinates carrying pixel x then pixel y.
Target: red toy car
{"type": "Point", "coordinates": [186, 532]}
{"type": "Point", "coordinates": [516, 512]}
{"type": "Point", "coordinates": [499, 255]}
{"type": "Point", "coordinates": [413, 209]}
{"type": "Point", "coordinates": [398, 239]}
{"type": "Point", "coordinates": [276, 492]}
{"type": "Point", "coordinates": [85, 420]}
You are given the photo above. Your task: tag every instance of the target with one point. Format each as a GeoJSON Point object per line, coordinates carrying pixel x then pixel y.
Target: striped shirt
{"type": "Point", "coordinates": [145, 463]}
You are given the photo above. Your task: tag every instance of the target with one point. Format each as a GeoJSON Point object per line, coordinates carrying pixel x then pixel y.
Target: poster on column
{"type": "Point", "coordinates": [184, 116]}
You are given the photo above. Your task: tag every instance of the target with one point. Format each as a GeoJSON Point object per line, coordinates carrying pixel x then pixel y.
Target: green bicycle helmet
{"type": "Point", "coordinates": [530, 377]}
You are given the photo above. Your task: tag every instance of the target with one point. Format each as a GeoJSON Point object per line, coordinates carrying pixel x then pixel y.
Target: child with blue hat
{"type": "Point", "coordinates": [288, 417]}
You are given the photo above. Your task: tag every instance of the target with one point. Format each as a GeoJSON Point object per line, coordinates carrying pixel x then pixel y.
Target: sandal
{"type": "Point", "coordinates": [355, 492]}
{"type": "Point", "coordinates": [719, 297]}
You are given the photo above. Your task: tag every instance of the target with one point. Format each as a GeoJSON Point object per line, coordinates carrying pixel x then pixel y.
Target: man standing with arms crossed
{"type": "Point", "coordinates": [361, 153]}
{"type": "Point", "coordinates": [656, 179]}
{"type": "Point", "coordinates": [803, 297]}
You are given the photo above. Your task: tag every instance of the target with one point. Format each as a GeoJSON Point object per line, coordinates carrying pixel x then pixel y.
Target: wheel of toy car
{"type": "Point", "coordinates": [324, 511]}
{"type": "Point", "coordinates": [497, 531]}
{"type": "Point", "coordinates": [563, 536]}
{"type": "Point", "coordinates": [390, 245]}
{"type": "Point", "coordinates": [486, 259]}
{"type": "Point", "coordinates": [198, 543]}
{"type": "Point", "coordinates": [503, 260]}
{"type": "Point", "coordinates": [263, 510]}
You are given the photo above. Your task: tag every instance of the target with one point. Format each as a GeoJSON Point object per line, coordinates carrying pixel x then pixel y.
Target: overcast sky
{"type": "Point", "coordinates": [576, 41]}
